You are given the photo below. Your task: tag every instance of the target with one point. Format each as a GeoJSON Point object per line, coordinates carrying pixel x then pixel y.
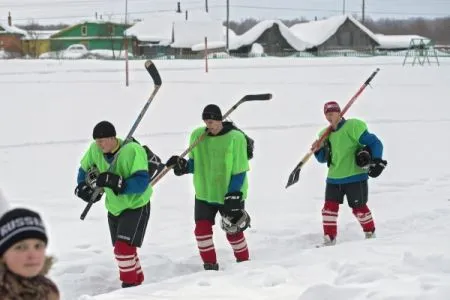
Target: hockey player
{"type": "Point", "coordinates": [352, 154]}
{"type": "Point", "coordinates": [219, 165]}
{"type": "Point", "coordinates": [127, 192]}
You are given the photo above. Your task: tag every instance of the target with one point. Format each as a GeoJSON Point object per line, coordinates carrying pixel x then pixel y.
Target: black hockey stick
{"type": "Point", "coordinates": [151, 69]}
{"type": "Point", "coordinates": [295, 174]}
{"type": "Point", "coordinates": [246, 98]}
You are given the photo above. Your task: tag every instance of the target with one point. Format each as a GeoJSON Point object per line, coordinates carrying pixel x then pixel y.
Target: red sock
{"type": "Point", "coordinates": [329, 218]}
{"type": "Point", "coordinates": [139, 272]}
{"type": "Point", "coordinates": [364, 217]}
{"type": "Point", "coordinates": [204, 236]}
{"type": "Point", "coordinates": [126, 260]}
{"type": "Point", "coordinates": [239, 245]}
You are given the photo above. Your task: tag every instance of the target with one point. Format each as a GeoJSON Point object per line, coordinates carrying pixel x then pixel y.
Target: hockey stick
{"type": "Point", "coordinates": [151, 69]}
{"type": "Point", "coordinates": [246, 98]}
{"type": "Point", "coordinates": [295, 174]}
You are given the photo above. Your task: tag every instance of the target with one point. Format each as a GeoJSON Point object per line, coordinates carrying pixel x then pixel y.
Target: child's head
{"type": "Point", "coordinates": [23, 241]}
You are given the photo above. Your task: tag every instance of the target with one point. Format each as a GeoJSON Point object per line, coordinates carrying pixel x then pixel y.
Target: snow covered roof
{"type": "Point", "coordinates": [256, 31]}
{"type": "Point", "coordinates": [39, 34]}
{"type": "Point", "coordinates": [190, 33]}
{"type": "Point", "coordinates": [6, 29]}
{"type": "Point", "coordinates": [318, 32]}
{"type": "Point", "coordinates": [397, 41]}
{"type": "Point", "coordinates": [159, 27]}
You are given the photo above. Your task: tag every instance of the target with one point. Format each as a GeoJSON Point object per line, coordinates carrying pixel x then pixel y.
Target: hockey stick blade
{"type": "Point", "coordinates": [294, 176]}
{"type": "Point", "coordinates": [257, 97]}
{"type": "Point", "coordinates": [151, 69]}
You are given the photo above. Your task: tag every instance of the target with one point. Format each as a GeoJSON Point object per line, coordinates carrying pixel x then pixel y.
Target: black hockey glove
{"type": "Point", "coordinates": [364, 158]}
{"type": "Point", "coordinates": [377, 167]}
{"type": "Point", "coordinates": [85, 192]}
{"type": "Point", "coordinates": [110, 180]}
{"type": "Point", "coordinates": [232, 207]}
{"type": "Point", "coordinates": [180, 165]}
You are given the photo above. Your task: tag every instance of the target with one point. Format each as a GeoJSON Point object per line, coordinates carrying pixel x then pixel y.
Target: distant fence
{"type": "Point", "coordinates": [329, 53]}
{"type": "Point", "coordinates": [441, 52]}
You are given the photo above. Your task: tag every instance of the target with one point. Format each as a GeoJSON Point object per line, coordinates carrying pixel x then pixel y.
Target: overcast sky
{"type": "Point", "coordinates": [55, 11]}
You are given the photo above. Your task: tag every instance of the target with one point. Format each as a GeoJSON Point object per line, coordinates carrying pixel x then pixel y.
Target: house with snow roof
{"type": "Point", "coordinates": [273, 36]}
{"type": "Point", "coordinates": [338, 32]}
{"type": "Point", "coordinates": [92, 33]}
{"type": "Point", "coordinates": [11, 38]}
{"type": "Point", "coordinates": [175, 33]}
{"type": "Point", "coordinates": [189, 37]}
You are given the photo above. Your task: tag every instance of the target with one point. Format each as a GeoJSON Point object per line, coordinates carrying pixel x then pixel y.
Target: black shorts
{"type": "Point", "coordinates": [356, 192]}
{"type": "Point", "coordinates": [130, 225]}
{"type": "Point", "coordinates": [208, 211]}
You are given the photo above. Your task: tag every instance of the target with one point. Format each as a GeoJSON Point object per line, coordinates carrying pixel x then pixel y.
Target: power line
{"type": "Point", "coordinates": [83, 2]}
{"type": "Point", "coordinates": [254, 7]}
{"type": "Point", "coordinates": [332, 10]}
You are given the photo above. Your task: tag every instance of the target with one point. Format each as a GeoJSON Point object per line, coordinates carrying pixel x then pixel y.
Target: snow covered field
{"type": "Point", "coordinates": [50, 107]}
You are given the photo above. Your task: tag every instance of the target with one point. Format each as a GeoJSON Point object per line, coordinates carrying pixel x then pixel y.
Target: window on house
{"type": "Point", "coordinates": [84, 30]}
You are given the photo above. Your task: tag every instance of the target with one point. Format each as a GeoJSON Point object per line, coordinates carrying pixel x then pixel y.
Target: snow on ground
{"type": "Point", "coordinates": [50, 107]}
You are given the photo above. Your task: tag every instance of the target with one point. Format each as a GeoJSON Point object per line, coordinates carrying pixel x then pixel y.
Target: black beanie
{"type": "Point", "coordinates": [19, 224]}
{"type": "Point", "coordinates": [104, 129]}
{"type": "Point", "coordinates": [212, 112]}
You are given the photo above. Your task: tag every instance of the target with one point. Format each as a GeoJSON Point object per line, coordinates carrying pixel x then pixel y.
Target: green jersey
{"type": "Point", "coordinates": [131, 159]}
{"type": "Point", "coordinates": [344, 144]}
{"type": "Point", "coordinates": [216, 159]}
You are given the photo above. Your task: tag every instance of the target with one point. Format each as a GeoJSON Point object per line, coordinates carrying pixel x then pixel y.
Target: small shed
{"type": "Point", "coordinates": [37, 42]}
{"type": "Point", "coordinates": [397, 42]}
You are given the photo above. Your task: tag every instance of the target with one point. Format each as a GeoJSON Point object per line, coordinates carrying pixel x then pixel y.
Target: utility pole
{"type": "Point", "coordinates": [206, 5]}
{"type": "Point", "coordinates": [363, 10]}
{"type": "Point", "coordinates": [228, 26]}
{"type": "Point", "coordinates": [343, 7]}
{"type": "Point", "coordinates": [127, 81]}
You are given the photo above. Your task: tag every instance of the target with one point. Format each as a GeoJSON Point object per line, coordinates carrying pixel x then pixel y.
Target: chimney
{"type": "Point", "coordinates": [178, 7]}
{"type": "Point", "coordinates": [9, 19]}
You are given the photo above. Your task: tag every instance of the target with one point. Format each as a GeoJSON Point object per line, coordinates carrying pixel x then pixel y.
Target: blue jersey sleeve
{"type": "Point", "coordinates": [236, 182]}
{"type": "Point", "coordinates": [137, 183]}
{"type": "Point", "coordinates": [372, 141]}
{"type": "Point", "coordinates": [190, 165]}
{"type": "Point", "coordinates": [320, 155]}
{"type": "Point", "coordinates": [81, 175]}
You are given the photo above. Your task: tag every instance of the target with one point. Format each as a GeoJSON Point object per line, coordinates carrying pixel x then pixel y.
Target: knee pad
{"type": "Point", "coordinates": [203, 227]}
{"type": "Point", "coordinates": [122, 248]}
{"type": "Point", "coordinates": [330, 206]}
